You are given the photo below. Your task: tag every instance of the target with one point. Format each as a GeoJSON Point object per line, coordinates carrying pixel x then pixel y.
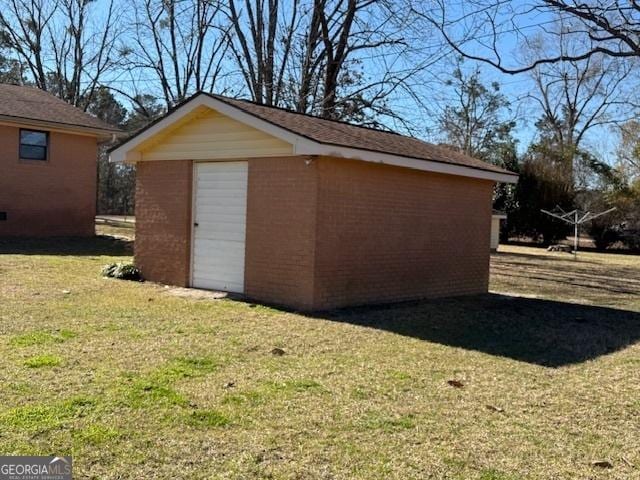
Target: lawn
{"type": "Point", "coordinates": [538, 380]}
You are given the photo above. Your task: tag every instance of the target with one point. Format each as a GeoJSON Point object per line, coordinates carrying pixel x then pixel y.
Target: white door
{"type": "Point", "coordinates": [219, 225]}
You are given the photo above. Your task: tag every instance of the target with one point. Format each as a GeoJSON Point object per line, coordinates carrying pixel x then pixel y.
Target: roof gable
{"type": "Point", "coordinates": [315, 136]}
{"type": "Point", "coordinates": [206, 134]}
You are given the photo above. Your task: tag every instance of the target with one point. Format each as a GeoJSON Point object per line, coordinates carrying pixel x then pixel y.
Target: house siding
{"type": "Point", "coordinates": [163, 220]}
{"type": "Point", "coordinates": [209, 135]}
{"type": "Point", "coordinates": [56, 197]}
{"type": "Point", "coordinates": [389, 234]}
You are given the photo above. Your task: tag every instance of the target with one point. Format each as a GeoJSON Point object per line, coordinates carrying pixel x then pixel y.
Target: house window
{"type": "Point", "coordinates": [33, 145]}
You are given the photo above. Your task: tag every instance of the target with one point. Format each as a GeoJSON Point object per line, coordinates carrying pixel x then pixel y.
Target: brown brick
{"type": "Point", "coordinates": [281, 204]}
{"type": "Point", "coordinates": [387, 233]}
{"type": "Point", "coordinates": [163, 220]}
{"type": "Point", "coordinates": [52, 198]}
{"type": "Point", "coordinates": [324, 233]}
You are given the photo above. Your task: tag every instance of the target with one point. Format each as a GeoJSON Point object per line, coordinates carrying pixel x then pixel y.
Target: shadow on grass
{"type": "Point", "coordinates": [542, 332]}
{"type": "Point", "coordinates": [89, 246]}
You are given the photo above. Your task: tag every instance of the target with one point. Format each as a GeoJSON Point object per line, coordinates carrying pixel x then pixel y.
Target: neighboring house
{"type": "Point", "coordinates": [496, 220]}
{"type": "Point", "coordinates": [48, 164]}
{"type": "Point", "coordinates": [309, 213]}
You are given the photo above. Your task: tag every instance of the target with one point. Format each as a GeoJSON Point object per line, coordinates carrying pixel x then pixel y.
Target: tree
{"type": "Point", "coordinates": [105, 106]}
{"type": "Point", "coordinates": [10, 69]}
{"type": "Point", "coordinates": [338, 32]}
{"type": "Point", "coordinates": [180, 43]}
{"type": "Point", "coordinates": [540, 186]}
{"type": "Point", "coordinates": [116, 182]}
{"type": "Point", "coordinates": [573, 99]}
{"type": "Point", "coordinates": [64, 46]}
{"type": "Point", "coordinates": [307, 55]}
{"type": "Point", "coordinates": [629, 150]}
{"type": "Point", "coordinates": [476, 123]}
{"type": "Point", "coordinates": [146, 108]}
{"type": "Point", "coordinates": [261, 40]}
{"type": "Point", "coordinates": [621, 226]}
{"type": "Point", "coordinates": [481, 31]}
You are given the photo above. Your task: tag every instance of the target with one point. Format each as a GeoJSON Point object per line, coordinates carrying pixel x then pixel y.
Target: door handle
{"type": "Point", "coordinates": [195, 224]}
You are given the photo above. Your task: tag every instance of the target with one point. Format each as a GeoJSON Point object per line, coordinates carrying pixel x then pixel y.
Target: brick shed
{"type": "Point", "coordinates": [312, 214]}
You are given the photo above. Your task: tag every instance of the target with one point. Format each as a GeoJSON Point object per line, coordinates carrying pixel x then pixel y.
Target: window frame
{"type": "Point", "coordinates": [46, 146]}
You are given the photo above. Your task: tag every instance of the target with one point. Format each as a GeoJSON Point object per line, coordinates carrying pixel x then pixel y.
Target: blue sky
{"type": "Point", "coordinates": [429, 84]}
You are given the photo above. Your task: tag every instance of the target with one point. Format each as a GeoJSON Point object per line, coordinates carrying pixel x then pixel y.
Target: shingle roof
{"type": "Point", "coordinates": [343, 134]}
{"type": "Point", "coordinates": [29, 103]}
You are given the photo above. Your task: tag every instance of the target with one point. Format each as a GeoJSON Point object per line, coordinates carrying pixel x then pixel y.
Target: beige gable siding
{"type": "Point", "coordinates": [211, 135]}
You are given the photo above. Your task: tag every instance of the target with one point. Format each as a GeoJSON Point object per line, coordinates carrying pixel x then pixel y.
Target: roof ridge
{"type": "Point", "coordinates": [308, 115]}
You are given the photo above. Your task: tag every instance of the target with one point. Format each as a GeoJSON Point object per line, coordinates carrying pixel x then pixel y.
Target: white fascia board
{"type": "Point", "coordinates": [313, 148]}
{"type": "Point", "coordinates": [120, 153]}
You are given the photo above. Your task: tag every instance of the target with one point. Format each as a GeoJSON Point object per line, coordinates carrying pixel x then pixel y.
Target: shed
{"type": "Point", "coordinates": [496, 220]}
{"type": "Point", "coordinates": [290, 209]}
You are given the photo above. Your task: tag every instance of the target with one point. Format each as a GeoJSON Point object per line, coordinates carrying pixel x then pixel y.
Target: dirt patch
{"type": "Point", "coordinates": [196, 293]}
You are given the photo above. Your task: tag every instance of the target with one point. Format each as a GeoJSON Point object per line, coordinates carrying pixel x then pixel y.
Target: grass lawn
{"type": "Point", "coordinates": [135, 382]}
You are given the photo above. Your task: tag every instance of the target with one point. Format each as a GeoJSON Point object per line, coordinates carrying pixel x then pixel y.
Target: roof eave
{"type": "Point", "coordinates": [101, 133]}
{"type": "Point", "coordinates": [314, 148]}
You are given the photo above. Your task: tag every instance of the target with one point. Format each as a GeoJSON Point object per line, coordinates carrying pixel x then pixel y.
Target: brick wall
{"type": "Point", "coordinates": [387, 233]}
{"type": "Point", "coordinates": [163, 220]}
{"type": "Point", "coordinates": [328, 233]}
{"type": "Point", "coordinates": [48, 198]}
{"type": "Point", "coordinates": [280, 238]}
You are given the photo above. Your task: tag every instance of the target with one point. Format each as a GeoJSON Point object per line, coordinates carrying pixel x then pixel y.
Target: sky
{"type": "Point", "coordinates": [518, 25]}
{"type": "Point", "coordinates": [430, 49]}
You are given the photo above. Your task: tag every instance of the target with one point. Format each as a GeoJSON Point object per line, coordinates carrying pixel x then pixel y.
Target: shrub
{"type": "Point", "coordinates": [631, 239]}
{"type": "Point", "coordinates": [604, 235]}
{"type": "Point", "coordinates": [123, 271]}
{"type": "Point", "coordinates": [107, 270]}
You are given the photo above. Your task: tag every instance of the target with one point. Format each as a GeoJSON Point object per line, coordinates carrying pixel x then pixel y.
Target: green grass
{"type": "Point", "coordinates": [43, 361]}
{"type": "Point", "coordinates": [207, 419]}
{"type": "Point", "coordinates": [41, 417]}
{"type": "Point", "coordinates": [95, 435]}
{"type": "Point", "coordinates": [135, 382]}
{"type": "Point", "coordinates": [39, 337]}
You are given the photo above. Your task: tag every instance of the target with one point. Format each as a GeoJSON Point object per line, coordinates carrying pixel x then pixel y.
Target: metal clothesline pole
{"type": "Point", "coordinates": [576, 221]}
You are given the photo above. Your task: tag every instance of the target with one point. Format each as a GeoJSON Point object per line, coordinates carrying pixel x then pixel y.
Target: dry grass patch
{"type": "Point", "coordinates": [594, 278]}
{"type": "Point", "coordinates": [157, 386]}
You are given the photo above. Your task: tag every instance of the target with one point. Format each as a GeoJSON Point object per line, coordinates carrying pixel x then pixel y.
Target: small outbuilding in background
{"type": "Point", "coordinates": [497, 218]}
{"type": "Point", "coordinates": [309, 213]}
